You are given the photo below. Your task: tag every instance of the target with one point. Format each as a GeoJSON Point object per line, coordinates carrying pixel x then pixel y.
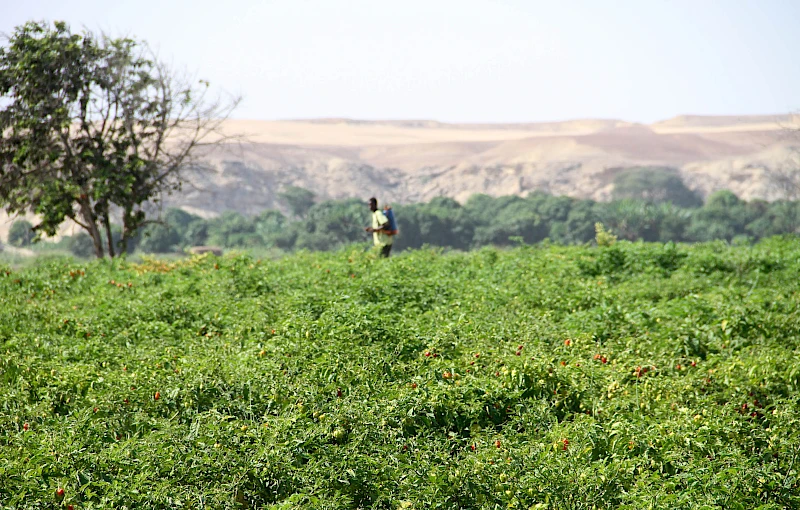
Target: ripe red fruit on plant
{"type": "Point", "coordinates": [596, 356]}
{"type": "Point", "coordinates": [339, 392]}
{"type": "Point", "coordinates": [471, 362]}
{"type": "Point", "coordinates": [447, 375]}
{"type": "Point", "coordinates": [678, 366]}
{"type": "Point", "coordinates": [427, 354]}
{"type": "Point", "coordinates": [477, 355]}
{"type": "Point", "coordinates": [518, 353]}
{"type": "Point", "coordinates": [157, 396]}
{"type": "Point", "coordinates": [567, 342]}
{"type": "Point", "coordinates": [70, 507]}
{"type": "Point", "coordinates": [59, 493]}
{"type": "Point", "coordinates": [563, 363]}
{"type": "Point", "coordinates": [413, 386]}
{"type": "Point", "coordinates": [25, 426]}
{"type": "Point", "coordinates": [497, 443]}
{"type": "Point", "coordinates": [95, 409]}
{"type": "Point", "coordinates": [126, 400]}
{"type": "Point", "coordinates": [519, 347]}
{"type": "Point", "coordinates": [473, 447]}
{"type": "Point", "coordinates": [604, 359]}
{"type": "Point", "coordinates": [694, 363]}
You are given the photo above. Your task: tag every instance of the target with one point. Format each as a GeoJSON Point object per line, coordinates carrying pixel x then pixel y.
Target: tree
{"type": "Point", "coordinates": [724, 216]}
{"type": "Point", "coordinates": [159, 238]}
{"type": "Point", "coordinates": [269, 224]}
{"type": "Point", "coordinates": [169, 235]}
{"type": "Point", "coordinates": [79, 245]}
{"type": "Point", "coordinates": [21, 234]}
{"type": "Point", "coordinates": [298, 200]}
{"type": "Point", "coordinates": [654, 185]}
{"type": "Point", "coordinates": [92, 126]}
{"type": "Point", "coordinates": [232, 230]}
{"type": "Point", "coordinates": [631, 219]}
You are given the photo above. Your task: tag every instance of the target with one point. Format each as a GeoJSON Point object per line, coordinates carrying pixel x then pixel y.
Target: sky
{"type": "Point", "coordinates": [465, 60]}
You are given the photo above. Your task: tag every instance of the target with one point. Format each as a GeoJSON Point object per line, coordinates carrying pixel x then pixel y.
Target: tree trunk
{"type": "Point", "coordinates": [109, 238]}
{"type": "Point", "coordinates": [91, 221]}
{"type": "Point", "coordinates": [126, 232]}
{"type": "Point", "coordinates": [97, 240]}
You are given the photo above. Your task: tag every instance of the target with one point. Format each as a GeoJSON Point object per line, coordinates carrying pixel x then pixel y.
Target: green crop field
{"type": "Point", "coordinates": [630, 376]}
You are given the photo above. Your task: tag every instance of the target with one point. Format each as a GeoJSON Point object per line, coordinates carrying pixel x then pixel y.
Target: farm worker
{"type": "Point", "coordinates": [379, 228]}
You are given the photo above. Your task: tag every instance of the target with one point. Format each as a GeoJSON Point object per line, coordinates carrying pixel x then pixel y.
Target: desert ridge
{"type": "Point", "coordinates": [406, 161]}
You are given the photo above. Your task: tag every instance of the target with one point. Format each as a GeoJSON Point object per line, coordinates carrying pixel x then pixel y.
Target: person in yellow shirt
{"type": "Point", "coordinates": [379, 228]}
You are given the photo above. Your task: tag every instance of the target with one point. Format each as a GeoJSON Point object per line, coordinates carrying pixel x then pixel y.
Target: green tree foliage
{"type": "Point", "coordinates": [331, 224]}
{"type": "Point", "coordinates": [233, 230]}
{"type": "Point", "coordinates": [92, 123]}
{"type": "Point", "coordinates": [724, 216]}
{"type": "Point", "coordinates": [781, 217]}
{"type": "Point", "coordinates": [298, 200]}
{"type": "Point", "coordinates": [485, 220]}
{"type": "Point", "coordinates": [517, 219]}
{"type": "Point", "coordinates": [631, 219]}
{"type": "Point", "coordinates": [177, 230]}
{"type": "Point", "coordinates": [80, 245]}
{"type": "Point", "coordinates": [654, 185]}
{"type": "Point", "coordinates": [270, 224]}
{"type": "Point", "coordinates": [21, 233]}
{"type": "Point", "coordinates": [159, 238]}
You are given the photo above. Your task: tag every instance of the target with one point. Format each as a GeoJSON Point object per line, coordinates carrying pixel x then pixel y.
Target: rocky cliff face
{"type": "Point", "coordinates": [409, 161]}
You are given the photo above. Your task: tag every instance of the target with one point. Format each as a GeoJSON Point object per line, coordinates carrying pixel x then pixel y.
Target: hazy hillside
{"type": "Point", "coordinates": [403, 161]}
{"type": "Point", "coordinates": [416, 160]}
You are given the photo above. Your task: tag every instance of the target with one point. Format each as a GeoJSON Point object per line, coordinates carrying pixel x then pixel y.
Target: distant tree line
{"type": "Point", "coordinates": [648, 204]}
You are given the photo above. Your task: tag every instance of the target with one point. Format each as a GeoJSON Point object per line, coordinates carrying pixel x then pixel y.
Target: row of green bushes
{"type": "Point", "coordinates": [481, 221]}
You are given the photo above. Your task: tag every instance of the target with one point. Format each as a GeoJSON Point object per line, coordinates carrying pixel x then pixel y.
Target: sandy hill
{"type": "Point", "coordinates": [414, 160]}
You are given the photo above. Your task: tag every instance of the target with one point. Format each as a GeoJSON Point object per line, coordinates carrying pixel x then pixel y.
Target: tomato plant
{"type": "Point", "coordinates": [232, 382]}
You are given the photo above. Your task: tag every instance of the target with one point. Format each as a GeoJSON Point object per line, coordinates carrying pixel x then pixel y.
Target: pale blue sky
{"type": "Point", "coordinates": [467, 60]}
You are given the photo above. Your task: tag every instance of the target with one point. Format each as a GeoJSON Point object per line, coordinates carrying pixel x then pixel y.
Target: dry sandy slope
{"type": "Point", "coordinates": [413, 160]}
{"type": "Point", "coordinates": [418, 160]}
